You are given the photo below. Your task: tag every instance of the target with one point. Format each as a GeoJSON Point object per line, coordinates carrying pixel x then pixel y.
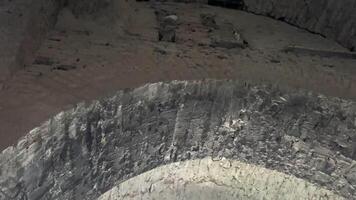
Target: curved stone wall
{"type": "Point", "coordinates": [84, 152]}
{"type": "Point", "coordinates": [209, 179]}
{"type": "Point", "coordinates": [333, 19]}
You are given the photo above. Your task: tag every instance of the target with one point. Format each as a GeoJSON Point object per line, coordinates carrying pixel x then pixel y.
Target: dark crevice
{"type": "Point", "coordinates": [234, 4]}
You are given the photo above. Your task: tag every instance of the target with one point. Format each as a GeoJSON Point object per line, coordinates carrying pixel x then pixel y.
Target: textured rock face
{"type": "Point", "coordinates": [85, 7]}
{"type": "Point", "coordinates": [209, 179]}
{"type": "Point", "coordinates": [83, 152]}
{"type": "Point", "coordinates": [23, 25]}
{"type": "Point", "coordinates": [333, 19]}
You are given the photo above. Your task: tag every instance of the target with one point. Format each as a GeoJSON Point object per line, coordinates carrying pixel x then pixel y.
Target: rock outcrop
{"type": "Point", "coordinates": [333, 19]}
{"type": "Point", "coordinates": [23, 26]}
{"type": "Point", "coordinates": [85, 151]}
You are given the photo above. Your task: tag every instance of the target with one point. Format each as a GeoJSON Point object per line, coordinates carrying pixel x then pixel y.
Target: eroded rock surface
{"type": "Point", "coordinates": [23, 24]}
{"type": "Point", "coordinates": [84, 152]}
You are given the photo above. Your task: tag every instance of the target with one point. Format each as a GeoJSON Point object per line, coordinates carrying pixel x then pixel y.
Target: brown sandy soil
{"type": "Point", "coordinates": [82, 59]}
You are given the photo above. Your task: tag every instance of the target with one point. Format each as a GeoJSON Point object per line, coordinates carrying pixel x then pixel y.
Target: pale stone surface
{"type": "Point", "coordinates": [209, 179]}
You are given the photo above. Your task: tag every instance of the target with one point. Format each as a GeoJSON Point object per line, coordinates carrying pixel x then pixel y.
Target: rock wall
{"type": "Point", "coordinates": [42, 17]}
{"type": "Point", "coordinates": [83, 152]}
{"type": "Point", "coordinates": [23, 26]}
{"type": "Point", "coordinates": [334, 19]}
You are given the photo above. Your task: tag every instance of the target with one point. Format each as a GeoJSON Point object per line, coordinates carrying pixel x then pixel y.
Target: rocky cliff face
{"type": "Point", "coordinates": [83, 152]}
{"type": "Point", "coordinates": [333, 19]}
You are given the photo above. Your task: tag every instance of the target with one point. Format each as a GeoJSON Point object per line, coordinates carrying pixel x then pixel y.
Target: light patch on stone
{"type": "Point", "coordinates": [73, 130]}
{"type": "Point", "coordinates": [233, 125]}
{"type": "Point", "coordinates": [149, 91]}
{"type": "Point", "coordinates": [48, 153]}
{"type": "Point", "coordinates": [208, 179]}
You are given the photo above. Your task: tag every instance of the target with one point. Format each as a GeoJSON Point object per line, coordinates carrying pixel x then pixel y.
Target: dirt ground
{"type": "Point", "coordinates": [85, 58]}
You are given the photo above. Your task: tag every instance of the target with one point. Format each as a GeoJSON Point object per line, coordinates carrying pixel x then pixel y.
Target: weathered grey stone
{"type": "Point", "coordinates": [168, 23]}
{"type": "Point", "coordinates": [85, 151]}
{"type": "Point", "coordinates": [227, 36]}
{"type": "Point", "coordinates": [208, 20]}
{"type": "Point", "coordinates": [351, 174]}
